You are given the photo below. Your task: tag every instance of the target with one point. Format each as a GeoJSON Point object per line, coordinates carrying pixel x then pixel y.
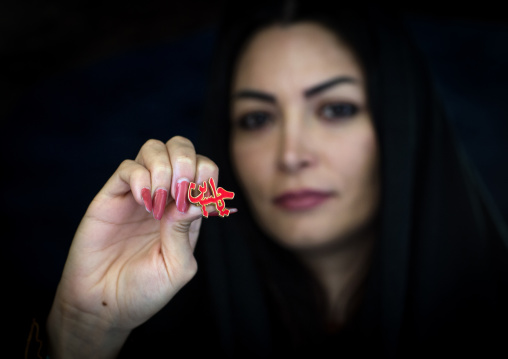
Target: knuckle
{"type": "Point", "coordinates": [207, 165]}
{"type": "Point", "coordinates": [151, 143]}
{"type": "Point", "coordinates": [161, 170]}
{"type": "Point", "coordinates": [180, 140]}
{"type": "Point", "coordinates": [125, 164]}
{"type": "Point", "coordinates": [181, 228]}
{"type": "Point", "coordinates": [140, 172]}
{"type": "Point", "coordinates": [183, 160]}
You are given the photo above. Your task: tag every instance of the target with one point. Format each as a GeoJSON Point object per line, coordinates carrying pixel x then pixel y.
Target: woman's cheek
{"type": "Point", "coordinates": [364, 151]}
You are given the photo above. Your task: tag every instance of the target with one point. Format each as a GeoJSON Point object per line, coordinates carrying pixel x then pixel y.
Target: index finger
{"type": "Point", "coordinates": [182, 156]}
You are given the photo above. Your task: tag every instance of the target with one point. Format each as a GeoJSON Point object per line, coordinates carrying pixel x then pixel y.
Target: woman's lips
{"type": "Point", "coordinates": [301, 200]}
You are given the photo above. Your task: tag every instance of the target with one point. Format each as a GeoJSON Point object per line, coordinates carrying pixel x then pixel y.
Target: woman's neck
{"type": "Point", "coordinates": [341, 271]}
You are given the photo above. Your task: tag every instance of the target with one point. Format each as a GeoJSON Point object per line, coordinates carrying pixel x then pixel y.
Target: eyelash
{"type": "Point", "coordinates": [251, 121]}
{"type": "Point", "coordinates": [256, 120]}
{"type": "Point", "coordinates": [347, 110]}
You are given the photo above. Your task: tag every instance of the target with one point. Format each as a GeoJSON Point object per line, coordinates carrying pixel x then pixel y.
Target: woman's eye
{"type": "Point", "coordinates": [254, 120]}
{"type": "Point", "coordinates": [338, 111]}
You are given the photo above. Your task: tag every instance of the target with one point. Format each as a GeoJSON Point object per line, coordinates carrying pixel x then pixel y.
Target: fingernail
{"type": "Point", "coordinates": [215, 213]}
{"type": "Point", "coordinates": [182, 204]}
{"type": "Point", "coordinates": [147, 199]}
{"type": "Point", "coordinates": [159, 203]}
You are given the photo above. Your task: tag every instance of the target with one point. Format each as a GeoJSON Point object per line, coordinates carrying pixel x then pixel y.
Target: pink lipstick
{"type": "Point", "coordinates": [301, 200]}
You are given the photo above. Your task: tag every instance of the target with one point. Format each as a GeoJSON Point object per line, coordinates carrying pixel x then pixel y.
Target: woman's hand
{"type": "Point", "coordinates": [125, 263]}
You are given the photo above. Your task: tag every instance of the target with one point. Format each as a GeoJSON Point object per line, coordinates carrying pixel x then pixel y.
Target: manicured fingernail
{"type": "Point", "coordinates": [182, 203]}
{"type": "Point", "coordinates": [215, 213]}
{"type": "Point", "coordinates": [147, 199]}
{"type": "Point", "coordinates": [159, 203]}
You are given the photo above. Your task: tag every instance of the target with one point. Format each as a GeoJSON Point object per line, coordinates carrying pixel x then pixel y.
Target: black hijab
{"type": "Point", "coordinates": [439, 277]}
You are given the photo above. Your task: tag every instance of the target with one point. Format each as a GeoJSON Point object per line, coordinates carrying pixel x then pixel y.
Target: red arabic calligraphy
{"type": "Point", "coordinates": [217, 197]}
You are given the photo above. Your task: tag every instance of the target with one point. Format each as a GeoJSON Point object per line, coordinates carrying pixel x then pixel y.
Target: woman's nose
{"type": "Point", "coordinates": [295, 149]}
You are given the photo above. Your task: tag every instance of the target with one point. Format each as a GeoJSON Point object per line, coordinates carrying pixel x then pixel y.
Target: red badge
{"type": "Point", "coordinates": [217, 198]}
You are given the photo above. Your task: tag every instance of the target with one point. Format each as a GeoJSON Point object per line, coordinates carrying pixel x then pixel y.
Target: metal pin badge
{"type": "Point", "coordinates": [217, 197]}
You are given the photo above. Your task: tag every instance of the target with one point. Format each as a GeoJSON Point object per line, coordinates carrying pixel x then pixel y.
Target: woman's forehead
{"type": "Point", "coordinates": [298, 55]}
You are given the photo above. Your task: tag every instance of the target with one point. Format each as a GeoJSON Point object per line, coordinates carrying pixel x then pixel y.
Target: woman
{"type": "Point", "coordinates": [360, 229]}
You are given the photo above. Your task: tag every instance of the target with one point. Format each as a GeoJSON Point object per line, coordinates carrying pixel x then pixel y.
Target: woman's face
{"type": "Point", "coordinates": [303, 143]}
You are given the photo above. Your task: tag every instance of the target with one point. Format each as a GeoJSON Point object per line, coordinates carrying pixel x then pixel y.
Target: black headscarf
{"type": "Point", "coordinates": [439, 277]}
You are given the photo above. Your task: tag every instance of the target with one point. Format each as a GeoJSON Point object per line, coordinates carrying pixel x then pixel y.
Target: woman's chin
{"type": "Point", "coordinates": [302, 239]}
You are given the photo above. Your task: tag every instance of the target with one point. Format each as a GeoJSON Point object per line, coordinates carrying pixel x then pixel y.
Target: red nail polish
{"type": "Point", "coordinates": [182, 203]}
{"type": "Point", "coordinates": [159, 203]}
{"type": "Point", "coordinates": [147, 199]}
{"type": "Point", "coordinates": [216, 214]}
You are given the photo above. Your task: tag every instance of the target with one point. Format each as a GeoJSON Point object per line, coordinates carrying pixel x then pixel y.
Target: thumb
{"type": "Point", "coordinates": [179, 232]}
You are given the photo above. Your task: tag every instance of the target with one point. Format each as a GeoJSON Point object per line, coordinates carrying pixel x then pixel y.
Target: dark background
{"type": "Point", "coordinates": [85, 84]}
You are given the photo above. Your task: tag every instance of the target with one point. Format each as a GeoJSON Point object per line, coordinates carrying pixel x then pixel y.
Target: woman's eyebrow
{"type": "Point", "coordinates": [327, 84]}
{"type": "Point", "coordinates": [258, 95]}
{"type": "Point", "coordinates": [266, 97]}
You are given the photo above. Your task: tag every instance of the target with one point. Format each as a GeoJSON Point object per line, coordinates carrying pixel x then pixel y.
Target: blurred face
{"type": "Point", "coordinates": [303, 143]}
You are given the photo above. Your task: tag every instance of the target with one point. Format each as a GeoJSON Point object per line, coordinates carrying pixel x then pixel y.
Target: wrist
{"type": "Point", "coordinates": [75, 334]}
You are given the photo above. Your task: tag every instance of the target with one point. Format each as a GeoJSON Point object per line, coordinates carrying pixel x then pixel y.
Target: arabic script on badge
{"type": "Point", "coordinates": [217, 197]}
